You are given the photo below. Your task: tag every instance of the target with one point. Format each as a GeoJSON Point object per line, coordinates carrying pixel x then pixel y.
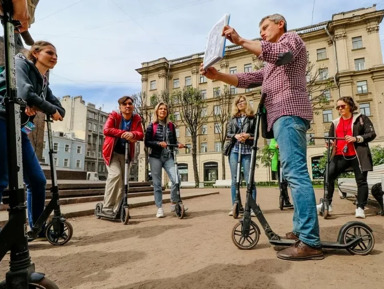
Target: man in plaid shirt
{"type": "Point", "coordinates": [289, 114]}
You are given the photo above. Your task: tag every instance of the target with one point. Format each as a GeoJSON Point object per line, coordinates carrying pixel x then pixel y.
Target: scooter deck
{"type": "Point", "coordinates": [324, 244]}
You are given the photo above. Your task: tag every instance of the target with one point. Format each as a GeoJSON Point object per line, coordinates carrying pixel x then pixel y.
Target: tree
{"type": "Point", "coordinates": [377, 155]}
{"type": "Point", "coordinates": [145, 111]}
{"type": "Point", "coordinates": [191, 107]}
{"type": "Point", "coordinates": [221, 118]}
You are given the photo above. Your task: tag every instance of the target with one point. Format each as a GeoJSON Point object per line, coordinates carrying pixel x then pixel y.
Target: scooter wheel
{"type": "Point", "coordinates": [281, 202]}
{"type": "Point", "coordinates": [44, 283]}
{"type": "Point", "coordinates": [248, 241]}
{"type": "Point", "coordinates": [59, 238]}
{"type": "Point", "coordinates": [125, 215]}
{"type": "Point", "coordinates": [358, 230]}
{"type": "Point", "coordinates": [235, 210]}
{"type": "Point", "coordinates": [99, 207]}
{"type": "Point", "coordinates": [180, 211]}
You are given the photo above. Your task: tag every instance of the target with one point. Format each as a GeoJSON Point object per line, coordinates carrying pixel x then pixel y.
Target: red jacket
{"type": "Point", "coordinates": [112, 133]}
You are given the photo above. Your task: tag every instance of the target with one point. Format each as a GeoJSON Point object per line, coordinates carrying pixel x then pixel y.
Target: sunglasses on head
{"type": "Point", "coordinates": [340, 106]}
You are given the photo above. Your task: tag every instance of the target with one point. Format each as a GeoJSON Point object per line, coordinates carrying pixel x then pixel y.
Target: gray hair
{"type": "Point", "coordinates": [275, 18]}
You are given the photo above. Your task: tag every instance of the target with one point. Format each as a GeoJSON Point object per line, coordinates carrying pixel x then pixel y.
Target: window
{"type": "Point", "coordinates": [94, 127]}
{"type": "Point", "coordinates": [357, 42]}
{"type": "Point", "coordinates": [89, 126]}
{"type": "Point", "coordinates": [232, 70]}
{"type": "Point", "coordinates": [78, 164]}
{"type": "Point", "coordinates": [176, 115]}
{"type": "Point", "coordinates": [66, 163]}
{"type": "Point", "coordinates": [78, 150]}
{"type": "Point", "coordinates": [177, 131]}
{"type": "Point", "coordinates": [55, 160]}
{"type": "Point", "coordinates": [218, 146]}
{"type": "Point", "coordinates": [216, 92]}
{"type": "Point", "coordinates": [203, 94]}
{"type": "Point", "coordinates": [217, 127]}
{"type": "Point", "coordinates": [188, 81]}
{"type": "Point", "coordinates": [176, 83]}
{"type": "Point", "coordinates": [203, 147]}
{"type": "Point", "coordinates": [362, 86]}
{"type": "Point", "coordinates": [203, 112]}
{"type": "Point", "coordinates": [188, 148]}
{"type": "Point", "coordinates": [365, 109]}
{"type": "Point", "coordinates": [233, 90]}
{"type": "Point", "coordinates": [66, 148]}
{"type": "Point", "coordinates": [327, 94]}
{"type": "Point", "coordinates": [217, 110]}
{"type": "Point", "coordinates": [187, 131]}
{"type": "Point", "coordinates": [203, 79]}
{"type": "Point", "coordinates": [327, 115]}
{"type": "Point", "coordinates": [326, 134]}
{"type": "Point", "coordinates": [248, 67]}
{"type": "Point", "coordinates": [359, 64]}
{"type": "Point", "coordinates": [204, 129]}
{"type": "Point", "coordinates": [55, 146]}
{"type": "Point", "coordinates": [321, 54]}
{"type": "Point", "coordinates": [310, 140]}
{"type": "Point", "coordinates": [152, 85]}
{"type": "Point", "coordinates": [323, 73]}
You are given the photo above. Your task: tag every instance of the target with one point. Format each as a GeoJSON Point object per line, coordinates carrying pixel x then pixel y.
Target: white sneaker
{"type": "Point", "coordinates": [360, 213]}
{"type": "Point", "coordinates": [330, 208]}
{"type": "Point", "coordinates": [253, 213]}
{"type": "Point", "coordinates": [318, 208]}
{"type": "Point", "coordinates": [160, 213]}
{"type": "Point", "coordinates": [230, 213]}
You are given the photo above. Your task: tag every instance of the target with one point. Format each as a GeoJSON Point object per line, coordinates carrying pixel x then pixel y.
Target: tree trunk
{"type": "Point", "coordinates": [223, 166]}
{"type": "Point", "coordinates": [194, 160]}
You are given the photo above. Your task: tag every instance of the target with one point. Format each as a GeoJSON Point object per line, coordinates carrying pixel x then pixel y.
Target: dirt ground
{"type": "Point", "coordinates": [197, 252]}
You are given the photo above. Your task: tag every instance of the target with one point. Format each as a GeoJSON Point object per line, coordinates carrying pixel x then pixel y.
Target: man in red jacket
{"type": "Point", "coordinates": [120, 127]}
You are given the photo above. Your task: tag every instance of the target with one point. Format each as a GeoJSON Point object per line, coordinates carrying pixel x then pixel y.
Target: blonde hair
{"type": "Point", "coordinates": [235, 110]}
{"type": "Point", "coordinates": [37, 47]}
{"type": "Point", "coordinates": [155, 116]}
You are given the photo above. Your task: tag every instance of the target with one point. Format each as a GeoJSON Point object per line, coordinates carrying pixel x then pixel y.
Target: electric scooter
{"type": "Point", "coordinates": [355, 237]}
{"type": "Point", "coordinates": [122, 213]}
{"type": "Point", "coordinates": [13, 235]}
{"type": "Point", "coordinates": [324, 211]}
{"type": "Point", "coordinates": [237, 208]}
{"type": "Point", "coordinates": [180, 211]}
{"type": "Point", "coordinates": [58, 231]}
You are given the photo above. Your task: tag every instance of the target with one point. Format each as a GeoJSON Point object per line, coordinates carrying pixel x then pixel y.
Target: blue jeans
{"type": "Point", "coordinates": [34, 177]}
{"type": "Point", "coordinates": [156, 171]}
{"type": "Point", "coordinates": [290, 134]}
{"type": "Point", "coordinates": [245, 164]}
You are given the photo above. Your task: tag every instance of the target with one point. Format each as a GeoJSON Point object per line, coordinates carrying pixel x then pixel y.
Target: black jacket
{"type": "Point", "coordinates": [362, 128]}
{"type": "Point", "coordinates": [247, 127]}
{"type": "Point", "coordinates": [29, 83]}
{"type": "Point", "coordinates": [152, 139]}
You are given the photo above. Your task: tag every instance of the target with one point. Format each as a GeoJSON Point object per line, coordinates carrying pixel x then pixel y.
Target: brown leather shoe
{"type": "Point", "coordinates": [301, 251]}
{"type": "Point", "coordinates": [291, 236]}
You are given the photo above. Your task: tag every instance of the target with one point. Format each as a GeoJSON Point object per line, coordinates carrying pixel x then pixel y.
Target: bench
{"type": "Point", "coordinates": [348, 186]}
{"type": "Point", "coordinates": [184, 184]}
{"type": "Point", "coordinates": [222, 184]}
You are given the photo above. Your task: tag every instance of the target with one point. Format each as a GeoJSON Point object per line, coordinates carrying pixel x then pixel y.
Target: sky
{"type": "Point", "coordinates": [101, 43]}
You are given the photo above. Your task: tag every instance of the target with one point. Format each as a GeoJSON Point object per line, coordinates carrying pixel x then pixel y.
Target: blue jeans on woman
{"type": "Point", "coordinates": [290, 134]}
{"type": "Point", "coordinates": [245, 164]}
{"type": "Point", "coordinates": [34, 177]}
{"type": "Point", "coordinates": [156, 171]}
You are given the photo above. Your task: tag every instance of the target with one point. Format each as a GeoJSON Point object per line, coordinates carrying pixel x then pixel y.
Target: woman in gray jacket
{"type": "Point", "coordinates": [352, 152]}
{"type": "Point", "coordinates": [33, 87]}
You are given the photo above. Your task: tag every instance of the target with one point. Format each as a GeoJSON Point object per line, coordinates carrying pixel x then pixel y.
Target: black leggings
{"type": "Point", "coordinates": [337, 166]}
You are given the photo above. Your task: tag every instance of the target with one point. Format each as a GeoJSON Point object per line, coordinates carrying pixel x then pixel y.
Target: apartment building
{"type": "Point", "coordinates": [346, 59]}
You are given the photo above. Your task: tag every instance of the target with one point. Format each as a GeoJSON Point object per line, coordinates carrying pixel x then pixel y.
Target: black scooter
{"type": "Point", "coordinates": [122, 214]}
{"type": "Point", "coordinates": [58, 231]}
{"type": "Point", "coordinates": [180, 210]}
{"type": "Point", "coordinates": [355, 237]}
{"type": "Point", "coordinates": [13, 236]}
{"type": "Point", "coordinates": [283, 188]}
{"type": "Point", "coordinates": [324, 210]}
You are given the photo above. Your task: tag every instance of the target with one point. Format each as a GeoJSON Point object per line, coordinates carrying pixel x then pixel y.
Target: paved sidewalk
{"type": "Point", "coordinates": [84, 209]}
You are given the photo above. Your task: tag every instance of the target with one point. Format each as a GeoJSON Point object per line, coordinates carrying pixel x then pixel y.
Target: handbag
{"type": "Point", "coordinates": [227, 148]}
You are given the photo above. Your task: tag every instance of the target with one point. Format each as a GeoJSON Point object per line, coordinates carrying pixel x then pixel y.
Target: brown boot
{"type": "Point", "coordinates": [301, 251]}
{"type": "Point", "coordinates": [291, 236]}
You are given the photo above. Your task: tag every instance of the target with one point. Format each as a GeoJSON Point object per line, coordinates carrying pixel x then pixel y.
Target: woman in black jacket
{"type": "Point", "coordinates": [240, 130]}
{"type": "Point", "coordinates": [158, 135]}
{"type": "Point", "coordinates": [353, 152]}
{"type": "Point", "coordinates": [33, 87]}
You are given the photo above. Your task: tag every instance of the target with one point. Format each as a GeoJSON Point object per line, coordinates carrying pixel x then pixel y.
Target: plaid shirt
{"type": "Point", "coordinates": [284, 85]}
{"type": "Point", "coordinates": [245, 149]}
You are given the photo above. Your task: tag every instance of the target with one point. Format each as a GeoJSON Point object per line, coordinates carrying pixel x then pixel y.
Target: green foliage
{"type": "Point", "coordinates": [265, 156]}
{"type": "Point", "coordinates": [377, 155]}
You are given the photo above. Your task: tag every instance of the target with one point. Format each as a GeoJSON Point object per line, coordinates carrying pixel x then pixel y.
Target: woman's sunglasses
{"type": "Point", "coordinates": [340, 106]}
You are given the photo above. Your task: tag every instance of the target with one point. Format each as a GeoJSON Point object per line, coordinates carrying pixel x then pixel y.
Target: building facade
{"type": "Point", "coordinates": [345, 59]}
